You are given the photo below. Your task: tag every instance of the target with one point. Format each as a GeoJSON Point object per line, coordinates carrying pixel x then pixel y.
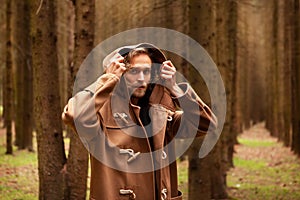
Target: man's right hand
{"type": "Point", "coordinates": [117, 65]}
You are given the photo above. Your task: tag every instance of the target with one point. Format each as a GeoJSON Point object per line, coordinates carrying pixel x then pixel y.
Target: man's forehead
{"type": "Point", "coordinates": [140, 65]}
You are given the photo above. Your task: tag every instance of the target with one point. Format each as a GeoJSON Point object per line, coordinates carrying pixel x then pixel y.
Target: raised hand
{"type": "Point", "coordinates": [167, 73]}
{"type": "Point", "coordinates": [117, 65]}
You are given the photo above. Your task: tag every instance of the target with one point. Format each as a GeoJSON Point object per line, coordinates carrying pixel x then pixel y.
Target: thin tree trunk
{"type": "Point", "coordinates": [276, 128]}
{"type": "Point", "coordinates": [17, 32]}
{"type": "Point", "coordinates": [22, 57]}
{"type": "Point", "coordinates": [9, 84]}
{"type": "Point", "coordinates": [3, 39]}
{"type": "Point", "coordinates": [51, 154]}
{"type": "Point", "coordinates": [28, 121]}
{"type": "Point", "coordinates": [242, 62]}
{"type": "Point", "coordinates": [226, 61]}
{"type": "Point", "coordinates": [65, 48]}
{"type": "Point", "coordinates": [296, 78]}
{"type": "Point", "coordinates": [285, 74]}
{"type": "Point", "coordinates": [77, 166]}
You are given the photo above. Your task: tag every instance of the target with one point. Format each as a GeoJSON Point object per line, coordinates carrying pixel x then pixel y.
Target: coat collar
{"type": "Point", "coordinates": [119, 112]}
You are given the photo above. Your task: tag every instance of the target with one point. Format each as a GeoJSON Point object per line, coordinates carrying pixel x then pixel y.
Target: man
{"type": "Point", "coordinates": [128, 120]}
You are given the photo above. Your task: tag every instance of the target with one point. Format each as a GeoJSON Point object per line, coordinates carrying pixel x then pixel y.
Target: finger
{"type": "Point", "coordinates": [121, 64]}
{"type": "Point", "coordinates": [166, 76]}
{"type": "Point", "coordinates": [116, 59]}
{"type": "Point", "coordinates": [120, 59]}
{"type": "Point", "coordinates": [168, 67]}
{"type": "Point", "coordinates": [118, 62]}
{"type": "Point", "coordinates": [117, 68]}
{"type": "Point", "coordinates": [168, 63]}
{"type": "Point", "coordinates": [122, 69]}
{"type": "Point", "coordinates": [167, 72]}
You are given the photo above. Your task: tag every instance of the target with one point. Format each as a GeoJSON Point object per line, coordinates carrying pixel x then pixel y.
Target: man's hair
{"type": "Point", "coordinates": [136, 52]}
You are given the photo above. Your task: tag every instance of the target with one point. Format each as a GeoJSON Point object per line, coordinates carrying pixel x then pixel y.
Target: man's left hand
{"type": "Point", "coordinates": [168, 73]}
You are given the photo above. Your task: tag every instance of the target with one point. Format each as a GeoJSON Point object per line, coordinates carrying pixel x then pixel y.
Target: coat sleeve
{"type": "Point", "coordinates": [195, 118]}
{"type": "Point", "coordinates": [82, 109]}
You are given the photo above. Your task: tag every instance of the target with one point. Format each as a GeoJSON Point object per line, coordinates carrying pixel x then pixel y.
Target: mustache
{"type": "Point", "coordinates": [140, 85]}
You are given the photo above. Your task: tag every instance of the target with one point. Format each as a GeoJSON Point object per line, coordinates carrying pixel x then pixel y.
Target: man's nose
{"type": "Point", "coordinates": [141, 76]}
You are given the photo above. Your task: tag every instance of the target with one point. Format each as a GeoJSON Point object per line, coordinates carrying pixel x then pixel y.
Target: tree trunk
{"type": "Point", "coordinates": [3, 39]}
{"type": "Point", "coordinates": [285, 73]}
{"type": "Point", "coordinates": [226, 61]}
{"type": "Point", "coordinates": [28, 121]}
{"type": "Point", "coordinates": [8, 84]}
{"type": "Point", "coordinates": [47, 111]}
{"type": "Point", "coordinates": [17, 57]}
{"type": "Point", "coordinates": [206, 178]}
{"type": "Point", "coordinates": [28, 81]}
{"type": "Point", "coordinates": [274, 71]}
{"type": "Point", "coordinates": [77, 166]}
{"type": "Point", "coordinates": [242, 62]}
{"type": "Point", "coordinates": [65, 48]}
{"type": "Point", "coordinates": [22, 57]}
{"type": "Point", "coordinates": [296, 78]}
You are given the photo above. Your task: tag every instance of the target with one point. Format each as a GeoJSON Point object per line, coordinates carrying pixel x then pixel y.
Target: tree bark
{"type": "Point", "coordinates": [28, 123]}
{"type": "Point", "coordinates": [77, 166]}
{"type": "Point", "coordinates": [3, 39]}
{"type": "Point", "coordinates": [242, 62]}
{"type": "Point", "coordinates": [226, 61]}
{"type": "Point", "coordinates": [2, 57]}
{"type": "Point", "coordinates": [8, 84]}
{"type": "Point", "coordinates": [51, 154]}
{"type": "Point", "coordinates": [65, 47]}
{"type": "Point", "coordinates": [206, 178]}
{"type": "Point", "coordinates": [285, 73]}
{"type": "Point", "coordinates": [22, 61]}
{"type": "Point", "coordinates": [296, 78]}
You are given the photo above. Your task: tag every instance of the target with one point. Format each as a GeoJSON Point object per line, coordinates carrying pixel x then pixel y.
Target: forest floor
{"type": "Point", "coordinates": [264, 169]}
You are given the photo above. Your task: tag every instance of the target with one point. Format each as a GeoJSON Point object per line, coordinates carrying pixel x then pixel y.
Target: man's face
{"type": "Point", "coordinates": [138, 75]}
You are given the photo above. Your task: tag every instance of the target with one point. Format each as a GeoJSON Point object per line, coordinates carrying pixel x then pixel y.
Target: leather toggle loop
{"type": "Point", "coordinates": [128, 192]}
{"type": "Point", "coordinates": [131, 153]}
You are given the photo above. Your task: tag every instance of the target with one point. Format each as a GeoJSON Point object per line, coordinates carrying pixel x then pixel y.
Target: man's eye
{"type": "Point", "coordinates": [146, 71]}
{"type": "Point", "coordinates": [133, 71]}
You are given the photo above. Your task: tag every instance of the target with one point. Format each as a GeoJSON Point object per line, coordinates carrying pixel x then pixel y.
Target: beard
{"type": "Point", "coordinates": [138, 92]}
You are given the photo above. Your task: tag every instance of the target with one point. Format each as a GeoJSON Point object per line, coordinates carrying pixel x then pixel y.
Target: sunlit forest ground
{"type": "Point", "coordinates": [264, 169]}
{"type": "Point", "coordinates": [18, 173]}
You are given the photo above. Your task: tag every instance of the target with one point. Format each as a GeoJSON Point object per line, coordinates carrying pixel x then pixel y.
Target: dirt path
{"type": "Point", "coordinates": [264, 169]}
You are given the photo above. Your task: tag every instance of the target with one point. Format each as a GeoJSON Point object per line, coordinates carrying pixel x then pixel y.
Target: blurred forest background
{"type": "Point", "coordinates": [254, 43]}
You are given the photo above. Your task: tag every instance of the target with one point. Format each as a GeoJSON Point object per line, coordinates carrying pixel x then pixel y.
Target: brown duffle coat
{"type": "Point", "coordinates": [128, 162]}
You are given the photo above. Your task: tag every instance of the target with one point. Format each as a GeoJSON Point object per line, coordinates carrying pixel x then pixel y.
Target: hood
{"type": "Point", "coordinates": [156, 55]}
{"type": "Point", "coordinates": [161, 94]}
